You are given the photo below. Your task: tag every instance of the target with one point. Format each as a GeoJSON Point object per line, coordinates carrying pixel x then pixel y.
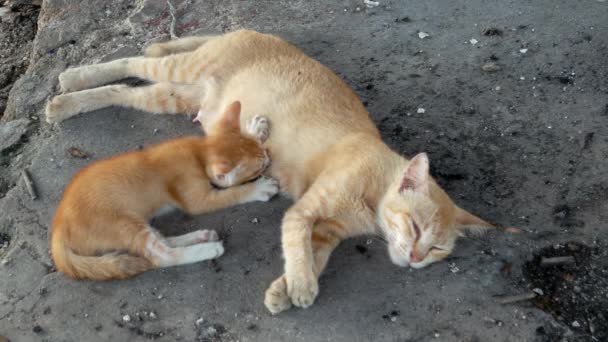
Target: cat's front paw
{"type": "Point", "coordinates": [264, 189]}
{"type": "Point", "coordinates": [276, 299]}
{"type": "Point", "coordinates": [302, 288]}
{"type": "Point", "coordinates": [259, 127]}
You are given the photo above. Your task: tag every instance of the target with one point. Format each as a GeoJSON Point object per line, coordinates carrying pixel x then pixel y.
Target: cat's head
{"type": "Point", "coordinates": [419, 220]}
{"type": "Point", "coordinates": [232, 157]}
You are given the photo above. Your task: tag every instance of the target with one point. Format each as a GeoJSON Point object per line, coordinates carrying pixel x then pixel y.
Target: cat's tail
{"type": "Point", "coordinates": [104, 267]}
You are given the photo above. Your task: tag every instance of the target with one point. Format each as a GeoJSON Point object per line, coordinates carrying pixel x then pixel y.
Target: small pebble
{"type": "Point", "coordinates": [473, 41]}
{"type": "Point", "coordinates": [490, 67]}
{"type": "Point", "coordinates": [523, 50]}
{"type": "Point", "coordinates": [126, 318]}
{"type": "Point", "coordinates": [423, 35]}
{"type": "Point", "coordinates": [538, 291]}
{"type": "Point", "coordinates": [255, 220]}
{"type": "Point", "coordinates": [199, 321]}
{"type": "Point", "coordinates": [152, 315]}
{"type": "Point", "coordinates": [576, 324]}
{"type": "Point", "coordinates": [421, 110]}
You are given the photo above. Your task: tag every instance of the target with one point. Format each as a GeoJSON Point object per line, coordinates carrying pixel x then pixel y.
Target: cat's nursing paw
{"type": "Point", "coordinates": [302, 288]}
{"type": "Point", "coordinates": [259, 127]}
{"type": "Point", "coordinates": [276, 299]}
{"type": "Point", "coordinates": [264, 189]}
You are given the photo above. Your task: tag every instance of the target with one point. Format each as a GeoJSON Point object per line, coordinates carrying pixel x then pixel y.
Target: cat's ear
{"type": "Point", "coordinates": [465, 220]}
{"type": "Point", "coordinates": [231, 118]}
{"type": "Point", "coordinates": [416, 175]}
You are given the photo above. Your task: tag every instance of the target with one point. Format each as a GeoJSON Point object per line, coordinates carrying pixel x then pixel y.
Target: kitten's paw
{"type": "Point", "coordinates": [60, 108]}
{"type": "Point", "coordinates": [259, 127]}
{"type": "Point", "coordinates": [217, 249]}
{"type": "Point", "coordinates": [265, 188]}
{"type": "Point", "coordinates": [302, 289]}
{"type": "Point", "coordinates": [276, 299]}
{"type": "Point", "coordinates": [205, 235]}
{"type": "Point", "coordinates": [72, 80]}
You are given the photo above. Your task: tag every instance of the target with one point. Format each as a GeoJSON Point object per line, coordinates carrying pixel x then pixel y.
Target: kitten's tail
{"type": "Point", "coordinates": [104, 267]}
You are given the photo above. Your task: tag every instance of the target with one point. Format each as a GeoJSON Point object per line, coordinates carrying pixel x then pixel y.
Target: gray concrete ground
{"type": "Point", "coordinates": [522, 146]}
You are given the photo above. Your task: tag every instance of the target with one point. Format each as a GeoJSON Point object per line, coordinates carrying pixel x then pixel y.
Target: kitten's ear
{"type": "Point", "coordinates": [470, 222]}
{"type": "Point", "coordinates": [416, 175]}
{"type": "Point", "coordinates": [231, 118]}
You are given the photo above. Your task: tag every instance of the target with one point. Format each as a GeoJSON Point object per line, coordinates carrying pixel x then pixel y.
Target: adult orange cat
{"type": "Point", "coordinates": [101, 231]}
{"type": "Point", "coordinates": [327, 154]}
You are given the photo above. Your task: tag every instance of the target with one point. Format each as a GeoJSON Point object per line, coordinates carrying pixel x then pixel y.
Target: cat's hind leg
{"type": "Point", "coordinates": [199, 236]}
{"type": "Point", "coordinates": [180, 68]}
{"type": "Point", "coordinates": [158, 98]}
{"type": "Point", "coordinates": [161, 254]}
{"type": "Point", "coordinates": [181, 45]}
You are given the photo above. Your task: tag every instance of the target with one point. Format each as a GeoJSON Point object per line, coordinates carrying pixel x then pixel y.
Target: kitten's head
{"type": "Point", "coordinates": [233, 157]}
{"type": "Point", "coordinates": [420, 221]}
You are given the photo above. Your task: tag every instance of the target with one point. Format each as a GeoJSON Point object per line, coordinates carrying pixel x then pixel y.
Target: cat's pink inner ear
{"type": "Point", "coordinates": [416, 175]}
{"type": "Point", "coordinates": [232, 116]}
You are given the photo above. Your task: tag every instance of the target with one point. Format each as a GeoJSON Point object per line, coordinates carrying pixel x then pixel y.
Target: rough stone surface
{"type": "Point", "coordinates": [524, 146]}
{"type": "Point", "coordinates": [11, 132]}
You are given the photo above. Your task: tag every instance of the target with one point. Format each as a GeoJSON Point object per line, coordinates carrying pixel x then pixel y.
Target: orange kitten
{"type": "Point", "coordinates": [101, 230]}
{"type": "Point", "coordinates": [327, 154]}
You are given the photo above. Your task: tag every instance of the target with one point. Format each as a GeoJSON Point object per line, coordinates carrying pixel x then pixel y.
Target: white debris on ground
{"type": "Point", "coordinates": [423, 35]}
{"type": "Point", "coordinates": [473, 41]}
{"type": "Point", "coordinates": [255, 220]}
{"type": "Point", "coordinates": [523, 50]}
{"type": "Point", "coordinates": [453, 268]}
{"type": "Point", "coordinates": [199, 321]}
{"type": "Point", "coordinates": [538, 291]}
{"type": "Point", "coordinates": [420, 110]}
{"type": "Point", "coordinates": [126, 318]}
{"type": "Point", "coordinates": [4, 11]}
{"type": "Point", "coordinates": [370, 3]}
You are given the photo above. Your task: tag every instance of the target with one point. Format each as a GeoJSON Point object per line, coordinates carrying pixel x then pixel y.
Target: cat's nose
{"type": "Point", "coordinates": [415, 257]}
